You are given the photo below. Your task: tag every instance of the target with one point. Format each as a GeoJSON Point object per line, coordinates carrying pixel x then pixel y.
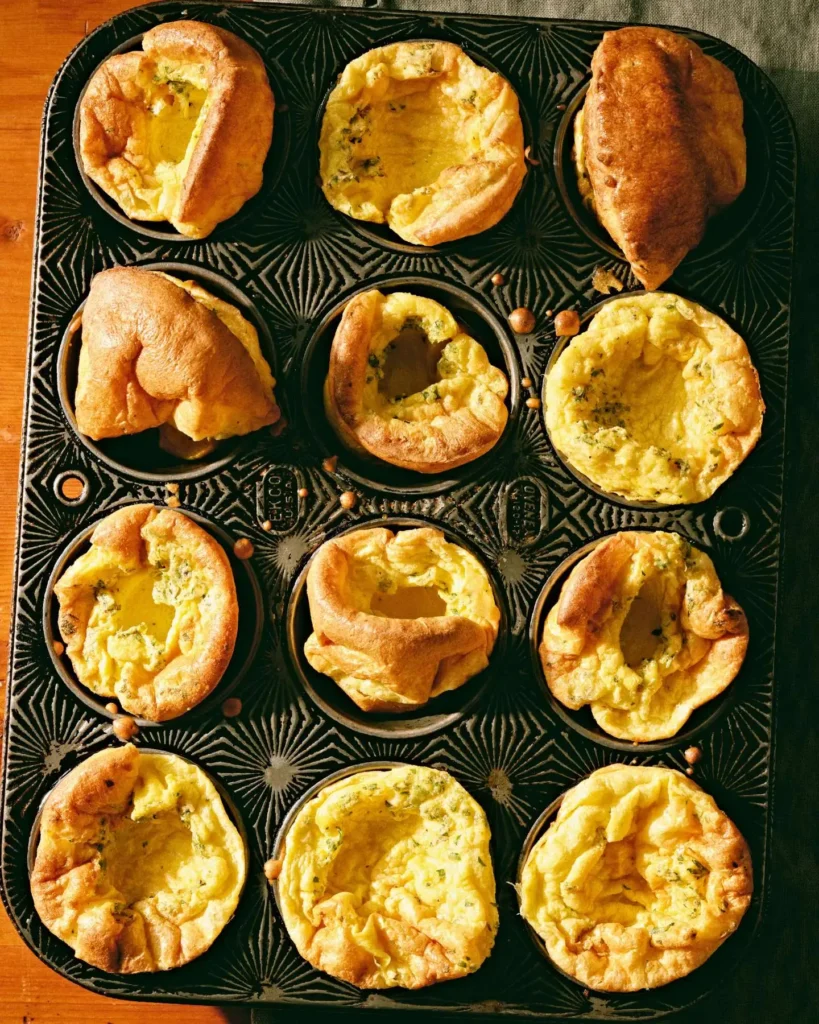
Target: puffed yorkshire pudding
{"type": "Point", "coordinates": [418, 136]}
{"type": "Point", "coordinates": [643, 633]}
{"type": "Point", "coordinates": [659, 145]}
{"type": "Point", "coordinates": [179, 130]}
{"type": "Point", "coordinates": [657, 400]}
{"type": "Point", "coordinates": [138, 867]}
{"type": "Point", "coordinates": [149, 613]}
{"type": "Point", "coordinates": [398, 618]}
{"type": "Point", "coordinates": [639, 879]}
{"type": "Point", "coordinates": [161, 352]}
{"type": "Point", "coordinates": [406, 385]}
{"type": "Point", "coordinates": [387, 880]}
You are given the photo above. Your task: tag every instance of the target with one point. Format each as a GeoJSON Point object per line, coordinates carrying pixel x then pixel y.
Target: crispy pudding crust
{"type": "Point", "coordinates": [160, 351]}
{"type": "Point", "coordinates": [657, 400]}
{"type": "Point", "coordinates": [458, 417]}
{"type": "Point", "coordinates": [659, 145]}
{"type": "Point", "coordinates": [644, 634]}
{"type": "Point", "coordinates": [398, 618]}
{"type": "Point", "coordinates": [138, 866]}
{"type": "Point", "coordinates": [387, 880]}
{"type": "Point", "coordinates": [179, 130]}
{"type": "Point", "coordinates": [639, 879]}
{"type": "Point", "coordinates": [418, 136]}
{"type": "Point", "coordinates": [149, 613]}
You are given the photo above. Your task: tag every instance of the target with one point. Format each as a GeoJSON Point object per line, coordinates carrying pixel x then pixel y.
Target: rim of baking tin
{"type": "Point", "coordinates": [715, 238]}
{"type": "Point", "coordinates": [249, 598]}
{"type": "Point", "coordinates": [374, 473]}
{"type": "Point", "coordinates": [227, 801]}
{"type": "Point", "coordinates": [389, 725]}
{"type": "Point", "coordinates": [226, 451]}
{"type": "Point", "coordinates": [562, 342]}
{"type": "Point", "coordinates": [381, 235]}
{"type": "Point", "coordinates": [704, 718]}
{"type": "Point", "coordinates": [272, 167]}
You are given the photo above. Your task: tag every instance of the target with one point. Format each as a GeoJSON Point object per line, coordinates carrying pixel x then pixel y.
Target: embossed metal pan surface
{"type": "Point", "coordinates": [524, 512]}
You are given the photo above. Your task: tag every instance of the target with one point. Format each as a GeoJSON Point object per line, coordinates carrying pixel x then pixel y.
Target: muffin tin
{"type": "Point", "coordinates": [295, 261]}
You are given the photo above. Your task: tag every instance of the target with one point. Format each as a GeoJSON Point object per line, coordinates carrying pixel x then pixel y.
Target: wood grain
{"type": "Point", "coordinates": [35, 37]}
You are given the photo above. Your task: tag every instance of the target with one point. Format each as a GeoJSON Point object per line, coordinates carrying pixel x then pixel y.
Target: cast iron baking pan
{"type": "Point", "coordinates": [294, 261]}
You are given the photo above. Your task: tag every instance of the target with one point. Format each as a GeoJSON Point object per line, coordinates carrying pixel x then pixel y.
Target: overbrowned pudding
{"type": "Point", "coordinates": [659, 145]}
{"type": "Point", "coordinates": [158, 351]}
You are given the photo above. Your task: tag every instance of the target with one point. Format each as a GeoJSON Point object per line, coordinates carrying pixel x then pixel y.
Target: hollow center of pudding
{"type": "Point", "coordinates": [168, 129]}
{"type": "Point", "coordinates": [409, 603]}
{"type": "Point", "coordinates": [135, 607]}
{"type": "Point", "coordinates": [641, 632]}
{"type": "Point", "coordinates": [410, 365]}
{"type": "Point", "coordinates": [404, 140]}
{"type": "Point", "coordinates": [149, 856]}
{"type": "Point", "coordinates": [649, 398]}
{"type": "Point", "coordinates": [369, 865]}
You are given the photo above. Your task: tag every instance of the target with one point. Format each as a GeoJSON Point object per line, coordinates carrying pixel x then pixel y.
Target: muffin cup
{"type": "Point", "coordinates": [163, 230]}
{"type": "Point", "coordinates": [248, 637]}
{"type": "Point", "coordinates": [439, 712]}
{"type": "Point", "coordinates": [703, 719]}
{"type": "Point", "coordinates": [561, 343]}
{"type": "Point", "coordinates": [540, 825]}
{"type": "Point", "coordinates": [227, 800]}
{"type": "Point", "coordinates": [139, 455]}
{"type": "Point", "coordinates": [722, 230]}
{"type": "Point", "coordinates": [382, 235]}
{"type": "Point", "coordinates": [485, 327]}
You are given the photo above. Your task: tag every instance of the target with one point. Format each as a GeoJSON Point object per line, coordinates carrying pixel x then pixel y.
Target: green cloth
{"type": "Point", "coordinates": [777, 981]}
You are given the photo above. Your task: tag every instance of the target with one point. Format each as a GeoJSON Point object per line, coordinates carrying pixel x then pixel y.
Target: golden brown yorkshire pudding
{"type": "Point", "coordinates": [179, 130]}
{"type": "Point", "coordinates": [643, 633]}
{"type": "Point", "coordinates": [138, 866]}
{"type": "Point", "coordinates": [387, 879]}
{"type": "Point", "coordinates": [659, 145]}
{"type": "Point", "coordinates": [398, 618]}
{"type": "Point", "coordinates": [639, 879]}
{"type": "Point", "coordinates": [161, 352]}
{"type": "Point", "coordinates": [407, 385]}
{"type": "Point", "coordinates": [149, 613]}
{"type": "Point", "coordinates": [657, 400]}
{"type": "Point", "coordinates": [418, 136]}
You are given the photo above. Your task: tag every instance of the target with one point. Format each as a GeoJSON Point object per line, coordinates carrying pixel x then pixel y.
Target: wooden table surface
{"type": "Point", "coordinates": [35, 37]}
